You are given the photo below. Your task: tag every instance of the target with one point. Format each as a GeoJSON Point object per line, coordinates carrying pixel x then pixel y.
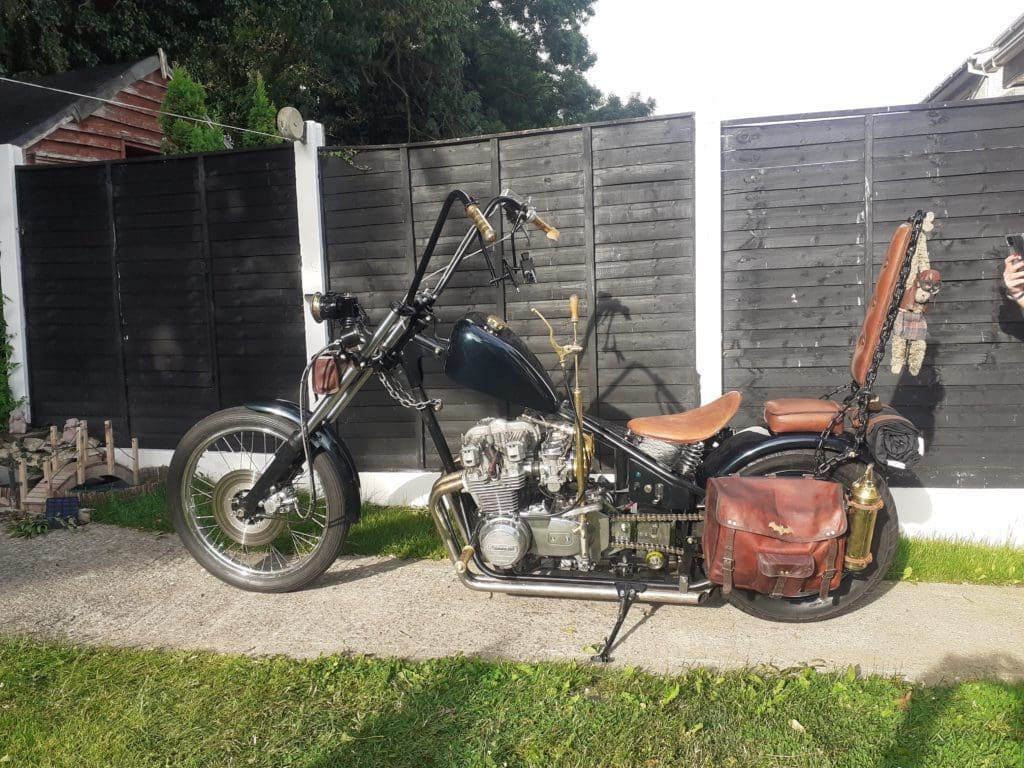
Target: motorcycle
{"type": "Point", "coordinates": [789, 521]}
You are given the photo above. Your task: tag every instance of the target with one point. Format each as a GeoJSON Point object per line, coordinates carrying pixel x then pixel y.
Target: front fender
{"type": "Point", "coordinates": [323, 439]}
{"type": "Point", "coordinates": [744, 447]}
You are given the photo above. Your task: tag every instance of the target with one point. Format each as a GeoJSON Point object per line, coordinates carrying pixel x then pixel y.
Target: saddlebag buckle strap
{"type": "Point", "coordinates": [830, 568]}
{"type": "Point", "coordinates": [779, 588]}
{"type": "Point", "coordinates": [728, 562]}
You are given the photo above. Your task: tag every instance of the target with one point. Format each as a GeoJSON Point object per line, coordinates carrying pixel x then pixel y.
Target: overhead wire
{"type": "Point", "coordinates": [136, 108]}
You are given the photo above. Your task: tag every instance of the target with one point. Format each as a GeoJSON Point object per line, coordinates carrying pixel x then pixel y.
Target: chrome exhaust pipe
{"type": "Point", "coordinates": [440, 496]}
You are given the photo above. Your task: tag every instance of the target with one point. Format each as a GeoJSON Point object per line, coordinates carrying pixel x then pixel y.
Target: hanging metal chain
{"type": "Point", "coordinates": [403, 396]}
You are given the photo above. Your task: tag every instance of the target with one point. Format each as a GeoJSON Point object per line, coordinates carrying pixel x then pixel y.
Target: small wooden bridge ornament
{"type": "Point", "coordinates": [87, 463]}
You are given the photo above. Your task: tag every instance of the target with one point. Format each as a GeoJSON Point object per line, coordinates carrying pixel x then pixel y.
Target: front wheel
{"type": "Point", "coordinates": [300, 529]}
{"type": "Point", "coordinates": [855, 584]}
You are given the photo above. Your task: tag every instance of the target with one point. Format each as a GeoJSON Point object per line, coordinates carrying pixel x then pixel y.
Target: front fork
{"type": "Point", "coordinates": [290, 456]}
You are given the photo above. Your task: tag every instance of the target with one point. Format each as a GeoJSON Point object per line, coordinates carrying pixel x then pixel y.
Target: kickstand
{"type": "Point", "coordinates": [628, 594]}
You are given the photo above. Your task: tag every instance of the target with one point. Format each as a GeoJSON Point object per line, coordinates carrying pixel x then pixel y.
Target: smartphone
{"type": "Point", "coordinates": [1016, 245]}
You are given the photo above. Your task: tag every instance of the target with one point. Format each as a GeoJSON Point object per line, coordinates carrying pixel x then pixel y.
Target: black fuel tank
{"type": "Point", "coordinates": [490, 358]}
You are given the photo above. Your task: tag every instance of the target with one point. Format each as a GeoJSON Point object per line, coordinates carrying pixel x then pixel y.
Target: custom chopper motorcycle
{"type": "Point", "coordinates": [790, 520]}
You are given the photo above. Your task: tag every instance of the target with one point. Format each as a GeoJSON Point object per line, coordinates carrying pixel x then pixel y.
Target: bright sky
{"type": "Point", "coordinates": [776, 57]}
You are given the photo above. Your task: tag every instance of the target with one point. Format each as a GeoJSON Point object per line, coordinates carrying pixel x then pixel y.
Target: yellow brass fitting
{"type": "Point", "coordinates": [655, 560]}
{"type": "Point", "coordinates": [861, 513]}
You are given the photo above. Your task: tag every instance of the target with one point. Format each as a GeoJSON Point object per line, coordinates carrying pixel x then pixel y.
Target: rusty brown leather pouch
{"type": "Point", "coordinates": [327, 374]}
{"type": "Point", "coordinates": [778, 536]}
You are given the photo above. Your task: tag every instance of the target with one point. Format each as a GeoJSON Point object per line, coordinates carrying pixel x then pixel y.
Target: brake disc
{"type": "Point", "coordinates": [230, 487]}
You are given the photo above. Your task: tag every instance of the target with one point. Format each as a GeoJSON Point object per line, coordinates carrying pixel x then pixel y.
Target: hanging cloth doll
{"type": "Point", "coordinates": [910, 331]}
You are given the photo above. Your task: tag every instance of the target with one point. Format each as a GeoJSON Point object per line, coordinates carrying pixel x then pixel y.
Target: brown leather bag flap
{"type": "Point", "coordinates": [783, 508]}
{"type": "Point", "coordinates": [789, 566]}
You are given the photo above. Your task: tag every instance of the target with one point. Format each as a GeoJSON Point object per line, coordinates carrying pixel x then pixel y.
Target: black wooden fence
{"type": "Point", "coordinates": [809, 206]}
{"type": "Point", "coordinates": [157, 291]}
{"type": "Point", "coordinates": [622, 196]}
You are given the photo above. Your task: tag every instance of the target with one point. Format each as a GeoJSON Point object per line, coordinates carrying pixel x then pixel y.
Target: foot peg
{"type": "Point", "coordinates": [628, 594]}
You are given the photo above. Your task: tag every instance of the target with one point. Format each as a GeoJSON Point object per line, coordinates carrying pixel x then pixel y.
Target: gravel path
{"type": "Point", "coordinates": [111, 586]}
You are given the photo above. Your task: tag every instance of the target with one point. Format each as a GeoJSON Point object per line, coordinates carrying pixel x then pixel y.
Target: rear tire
{"type": "Point", "coordinates": [215, 463]}
{"type": "Point", "coordinates": [855, 584]}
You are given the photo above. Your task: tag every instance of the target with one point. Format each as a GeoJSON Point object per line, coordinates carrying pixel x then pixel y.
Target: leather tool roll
{"type": "Point", "coordinates": [783, 537]}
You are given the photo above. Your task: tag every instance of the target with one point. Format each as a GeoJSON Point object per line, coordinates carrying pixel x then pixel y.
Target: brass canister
{"type": "Point", "coordinates": [861, 513]}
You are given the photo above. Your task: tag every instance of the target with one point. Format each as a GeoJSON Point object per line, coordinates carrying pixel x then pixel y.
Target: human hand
{"type": "Point", "coordinates": [1013, 278]}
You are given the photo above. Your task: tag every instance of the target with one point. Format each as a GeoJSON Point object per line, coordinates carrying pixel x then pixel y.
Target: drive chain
{"type": "Point", "coordinates": [642, 517]}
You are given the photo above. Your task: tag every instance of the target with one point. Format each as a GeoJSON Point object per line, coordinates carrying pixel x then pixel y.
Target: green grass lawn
{"type": "Point", "coordinates": [409, 533]}
{"type": "Point", "coordinates": [67, 706]}
{"type": "Point", "coordinates": [145, 512]}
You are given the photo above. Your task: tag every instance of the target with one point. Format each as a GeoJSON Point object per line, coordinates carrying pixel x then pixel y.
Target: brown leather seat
{"type": "Point", "coordinates": [801, 414]}
{"type": "Point", "coordinates": [690, 426]}
{"type": "Point", "coordinates": [874, 318]}
{"type": "Point", "coordinates": [808, 415]}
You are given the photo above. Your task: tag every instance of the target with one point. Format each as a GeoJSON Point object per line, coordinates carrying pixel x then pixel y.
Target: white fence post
{"type": "Point", "coordinates": [10, 274]}
{"type": "Point", "coordinates": [311, 243]}
{"type": "Point", "coordinates": [707, 263]}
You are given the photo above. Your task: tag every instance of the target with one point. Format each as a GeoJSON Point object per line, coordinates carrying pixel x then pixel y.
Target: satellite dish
{"type": "Point", "coordinates": [290, 124]}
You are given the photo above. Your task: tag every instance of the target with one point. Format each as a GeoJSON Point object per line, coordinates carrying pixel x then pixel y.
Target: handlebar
{"type": "Point", "coordinates": [482, 224]}
{"type": "Point", "coordinates": [518, 211]}
{"type": "Point", "coordinates": [551, 232]}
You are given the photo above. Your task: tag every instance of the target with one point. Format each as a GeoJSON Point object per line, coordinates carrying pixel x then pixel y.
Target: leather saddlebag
{"type": "Point", "coordinates": [773, 535]}
{"type": "Point", "coordinates": [327, 374]}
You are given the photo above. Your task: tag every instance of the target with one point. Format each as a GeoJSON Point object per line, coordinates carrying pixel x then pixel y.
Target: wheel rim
{"type": "Point", "coordinates": [218, 474]}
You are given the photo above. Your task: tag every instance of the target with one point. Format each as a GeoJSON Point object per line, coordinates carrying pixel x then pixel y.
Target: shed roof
{"type": "Point", "coordinates": [28, 113]}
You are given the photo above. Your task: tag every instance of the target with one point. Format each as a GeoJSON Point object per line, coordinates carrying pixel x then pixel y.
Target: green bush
{"type": "Point", "coordinates": [8, 402]}
{"type": "Point", "coordinates": [261, 116]}
{"type": "Point", "coordinates": [186, 97]}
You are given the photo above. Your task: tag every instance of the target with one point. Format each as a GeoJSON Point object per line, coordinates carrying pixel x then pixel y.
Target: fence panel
{"type": "Point", "coordinates": [644, 235]}
{"type": "Point", "coordinates": [253, 246]}
{"type": "Point", "coordinates": [72, 328]}
{"type": "Point", "coordinates": [158, 291]}
{"type": "Point", "coordinates": [620, 194]}
{"type": "Point", "coordinates": [165, 312]}
{"type": "Point", "coordinates": [809, 207]}
{"type": "Point", "coordinates": [368, 233]}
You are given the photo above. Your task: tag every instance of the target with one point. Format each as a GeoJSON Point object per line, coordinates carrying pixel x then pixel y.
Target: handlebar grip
{"type": "Point", "coordinates": [482, 224]}
{"type": "Point", "coordinates": [574, 308]}
{"type": "Point", "coordinates": [548, 230]}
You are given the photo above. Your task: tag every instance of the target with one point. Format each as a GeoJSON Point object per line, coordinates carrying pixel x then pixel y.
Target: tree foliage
{"type": "Point", "coordinates": [396, 70]}
{"type": "Point", "coordinates": [186, 97]}
{"type": "Point", "coordinates": [261, 115]}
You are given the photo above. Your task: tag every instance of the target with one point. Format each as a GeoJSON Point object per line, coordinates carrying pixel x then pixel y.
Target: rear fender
{"type": "Point", "coordinates": [744, 447]}
{"type": "Point", "coordinates": [324, 440]}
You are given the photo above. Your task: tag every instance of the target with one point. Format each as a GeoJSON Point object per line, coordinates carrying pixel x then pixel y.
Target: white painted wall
{"type": "Point", "coordinates": [10, 274]}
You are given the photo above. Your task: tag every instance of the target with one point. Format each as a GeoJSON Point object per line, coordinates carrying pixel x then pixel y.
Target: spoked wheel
{"type": "Point", "coordinates": [855, 584]}
{"type": "Point", "coordinates": [299, 531]}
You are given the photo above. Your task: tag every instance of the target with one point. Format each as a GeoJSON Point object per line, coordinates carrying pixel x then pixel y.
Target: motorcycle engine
{"type": "Point", "coordinates": [516, 472]}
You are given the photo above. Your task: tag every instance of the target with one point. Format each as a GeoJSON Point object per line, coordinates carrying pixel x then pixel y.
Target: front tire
{"type": "Point", "coordinates": [214, 465]}
{"type": "Point", "coordinates": [855, 584]}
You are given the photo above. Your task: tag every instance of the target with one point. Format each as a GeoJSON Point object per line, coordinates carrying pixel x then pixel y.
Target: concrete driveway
{"type": "Point", "coordinates": [111, 586]}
